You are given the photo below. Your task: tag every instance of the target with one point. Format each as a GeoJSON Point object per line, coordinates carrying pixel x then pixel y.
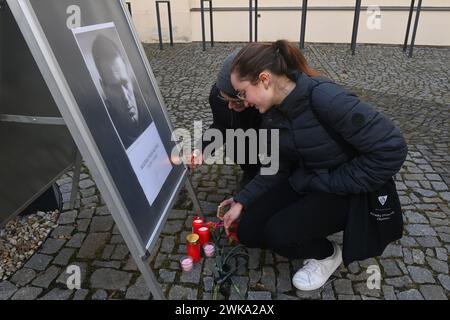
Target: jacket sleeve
{"type": "Point", "coordinates": [263, 183]}
{"type": "Point", "coordinates": [380, 143]}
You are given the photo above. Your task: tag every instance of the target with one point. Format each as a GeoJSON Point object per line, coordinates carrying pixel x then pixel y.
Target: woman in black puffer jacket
{"type": "Point", "coordinates": [293, 211]}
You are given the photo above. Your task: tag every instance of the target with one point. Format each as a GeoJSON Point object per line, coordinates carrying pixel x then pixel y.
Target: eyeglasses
{"type": "Point", "coordinates": [228, 100]}
{"type": "Point", "coordinates": [242, 94]}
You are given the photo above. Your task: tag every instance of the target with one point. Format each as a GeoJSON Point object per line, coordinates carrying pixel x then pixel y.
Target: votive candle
{"type": "Point", "coordinates": [203, 233]}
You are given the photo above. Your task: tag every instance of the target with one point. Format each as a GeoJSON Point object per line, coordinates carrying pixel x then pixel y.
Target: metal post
{"type": "Point", "coordinates": [195, 202]}
{"type": "Point", "coordinates": [211, 22]}
{"type": "Point", "coordinates": [250, 9]}
{"type": "Point", "coordinates": [202, 9]}
{"type": "Point", "coordinates": [355, 25]}
{"type": "Point", "coordinates": [170, 24]}
{"type": "Point", "coordinates": [75, 180]}
{"type": "Point", "coordinates": [256, 20]}
{"type": "Point", "coordinates": [159, 25]}
{"type": "Point", "coordinates": [303, 24]}
{"type": "Point", "coordinates": [408, 26]}
{"type": "Point", "coordinates": [416, 22]}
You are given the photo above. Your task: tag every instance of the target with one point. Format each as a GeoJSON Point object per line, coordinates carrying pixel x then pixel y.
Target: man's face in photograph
{"type": "Point", "coordinates": [120, 91]}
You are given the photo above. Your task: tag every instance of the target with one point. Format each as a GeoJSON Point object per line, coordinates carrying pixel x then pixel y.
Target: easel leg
{"type": "Point", "coordinates": [75, 179]}
{"type": "Point", "coordinates": [192, 195]}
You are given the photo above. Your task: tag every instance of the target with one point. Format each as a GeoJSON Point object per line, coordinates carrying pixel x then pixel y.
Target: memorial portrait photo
{"type": "Point", "coordinates": [112, 74]}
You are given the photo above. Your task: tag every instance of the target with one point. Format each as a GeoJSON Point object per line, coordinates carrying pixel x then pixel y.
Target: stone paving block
{"type": "Point", "coordinates": [86, 213]}
{"type": "Point", "coordinates": [120, 253]}
{"type": "Point", "coordinates": [390, 268]}
{"type": "Point", "coordinates": [172, 227]}
{"type": "Point", "coordinates": [259, 295]}
{"type": "Point", "coordinates": [106, 264]}
{"type": "Point", "coordinates": [7, 289]}
{"type": "Point", "coordinates": [138, 291]}
{"type": "Point", "coordinates": [23, 276]}
{"type": "Point", "coordinates": [443, 279]}
{"type": "Point", "coordinates": [100, 295]}
{"type": "Point", "coordinates": [93, 243]}
{"type": "Point", "coordinates": [420, 275]}
{"type": "Point", "coordinates": [167, 275]}
{"type": "Point", "coordinates": [83, 224]}
{"type": "Point", "coordinates": [110, 279]}
{"type": "Point", "coordinates": [192, 276]}
{"type": "Point", "coordinates": [76, 240]}
{"type": "Point", "coordinates": [399, 282]}
{"type": "Point", "coordinates": [412, 294]}
{"type": "Point", "coordinates": [284, 281]}
{"type": "Point", "coordinates": [44, 280]}
{"type": "Point", "coordinates": [102, 211]}
{"type": "Point", "coordinates": [442, 254]}
{"type": "Point", "coordinates": [38, 262]}
{"type": "Point", "coordinates": [62, 232]}
{"type": "Point", "coordinates": [389, 293]}
{"type": "Point", "coordinates": [57, 294]}
{"type": "Point", "coordinates": [27, 293]}
{"type": "Point", "coordinates": [428, 242]}
{"type": "Point", "coordinates": [437, 265]}
{"type": "Point", "coordinates": [117, 239]}
{"type": "Point", "coordinates": [433, 292]}
{"type": "Point", "coordinates": [420, 230]}
{"type": "Point", "coordinates": [168, 244]}
{"type": "Point", "coordinates": [101, 224]}
{"type": "Point", "coordinates": [343, 286]}
{"type": "Point", "coordinates": [80, 294]}
{"type": "Point", "coordinates": [268, 279]}
{"type": "Point", "coordinates": [52, 246]}
{"type": "Point", "coordinates": [67, 217]}
{"type": "Point", "coordinates": [178, 292]}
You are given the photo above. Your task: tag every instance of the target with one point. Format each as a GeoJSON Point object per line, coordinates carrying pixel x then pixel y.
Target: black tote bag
{"type": "Point", "coordinates": [375, 218]}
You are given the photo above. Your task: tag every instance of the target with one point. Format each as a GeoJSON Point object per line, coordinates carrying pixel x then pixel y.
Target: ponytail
{"type": "Point", "coordinates": [279, 57]}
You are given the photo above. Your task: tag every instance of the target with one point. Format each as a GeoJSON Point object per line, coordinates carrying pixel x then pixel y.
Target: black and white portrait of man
{"type": "Point", "coordinates": [123, 102]}
{"type": "Point", "coordinates": [114, 77]}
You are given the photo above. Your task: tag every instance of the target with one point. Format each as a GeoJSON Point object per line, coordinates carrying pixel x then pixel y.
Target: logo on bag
{"type": "Point", "coordinates": [382, 199]}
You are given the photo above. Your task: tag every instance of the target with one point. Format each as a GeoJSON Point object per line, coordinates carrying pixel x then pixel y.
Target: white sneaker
{"type": "Point", "coordinates": [315, 273]}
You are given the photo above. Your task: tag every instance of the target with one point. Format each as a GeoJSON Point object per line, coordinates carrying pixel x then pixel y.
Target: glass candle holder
{"type": "Point", "coordinates": [203, 233]}
{"type": "Point", "coordinates": [186, 263]}
{"type": "Point", "coordinates": [197, 223]}
{"type": "Point", "coordinates": [193, 247]}
{"type": "Point", "coordinates": [209, 249]}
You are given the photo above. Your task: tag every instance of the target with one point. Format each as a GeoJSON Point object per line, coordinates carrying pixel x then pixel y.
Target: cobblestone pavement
{"type": "Point", "coordinates": [414, 92]}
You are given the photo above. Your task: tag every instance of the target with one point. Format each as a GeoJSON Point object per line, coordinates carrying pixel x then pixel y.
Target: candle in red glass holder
{"type": "Point", "coordinates": [203, 232]}
{"type": "Point", "coordinates": [193, 247]}
{"type": "Point", "coordinates": [197, 222]}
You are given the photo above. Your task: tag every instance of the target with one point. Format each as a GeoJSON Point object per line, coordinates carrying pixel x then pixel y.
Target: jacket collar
{"type": "Point", "coordinates": [294, 104]}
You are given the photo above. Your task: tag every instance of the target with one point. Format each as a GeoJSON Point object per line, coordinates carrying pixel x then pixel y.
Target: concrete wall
{"type": "Point", "coordinates": [327, 21]}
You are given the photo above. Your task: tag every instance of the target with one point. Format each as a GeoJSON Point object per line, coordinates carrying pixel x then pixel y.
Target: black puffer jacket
{"type": "Point", "coordinates": [311, 160]}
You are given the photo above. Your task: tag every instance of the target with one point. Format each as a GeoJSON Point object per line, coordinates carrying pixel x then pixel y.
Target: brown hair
{"type": "Point", "coordinates": [279, 57]}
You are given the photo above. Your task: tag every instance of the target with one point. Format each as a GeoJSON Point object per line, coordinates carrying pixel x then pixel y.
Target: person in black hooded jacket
{"type": "Point", "coordinates": [293, 211]}
{"type": "Point", "coordinates": [229, 112]}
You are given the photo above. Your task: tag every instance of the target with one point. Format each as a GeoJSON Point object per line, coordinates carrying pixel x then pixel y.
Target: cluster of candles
{"type": "Point", "coordinates": [197, 239]}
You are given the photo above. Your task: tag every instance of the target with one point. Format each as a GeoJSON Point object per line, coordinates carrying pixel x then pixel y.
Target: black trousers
{"type": "Point", "coordinates": [292, 225]}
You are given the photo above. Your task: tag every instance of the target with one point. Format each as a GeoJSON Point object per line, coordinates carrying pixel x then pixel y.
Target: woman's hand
{"type": "Point", "coordinates": [232, 215]}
